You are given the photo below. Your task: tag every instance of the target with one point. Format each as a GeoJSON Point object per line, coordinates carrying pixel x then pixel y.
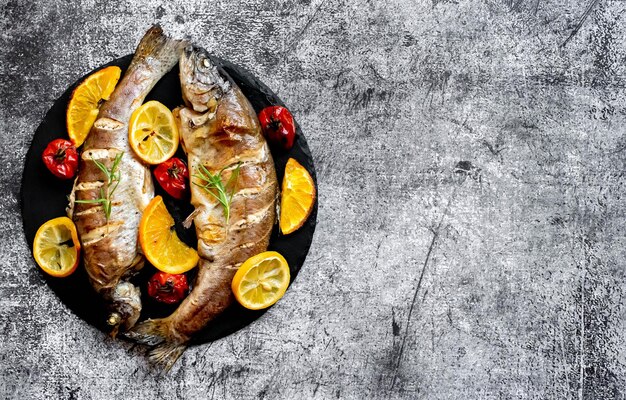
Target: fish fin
{"type": "Point", "coordinates": [155, 332]}
{"type": "Point", "coordinates": [176, 114]}
{"type": "Point", "coordinates": [114, 331]}
{"type": "Point", "coordinates": [187, 222]}
{"type": "Point", "coordinates": [277, 210]}
{"type": "Point", "coordinates": [166, 354]}
{"type": "Point", "coordinates": [137, 264]}
{"type": "Point", "coordinates": [157, 46]}
{"type": "Point", "coordinates": [150, 332]}
{"type": "Point", "coordinates": [69, 210]}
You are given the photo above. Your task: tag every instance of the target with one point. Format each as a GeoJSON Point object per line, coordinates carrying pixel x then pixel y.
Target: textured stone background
{"type": "Point", "coordinates": [471, 161]}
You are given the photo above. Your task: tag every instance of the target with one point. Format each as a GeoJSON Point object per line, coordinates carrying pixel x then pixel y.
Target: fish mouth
{"type": "Point", "coordinates": [124, 307]}
{"type": "Point", "coordinates": [189, 49]}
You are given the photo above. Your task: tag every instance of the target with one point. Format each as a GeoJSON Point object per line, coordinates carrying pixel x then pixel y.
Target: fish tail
{"type": "Point", "coordinates": [166, 354]}
{"type": "Point", "coordinates": [155, 332]}
{"type": "Point", "coordinates": [158, 47]}
{"type": "Point", "coordinates": [150, 332]}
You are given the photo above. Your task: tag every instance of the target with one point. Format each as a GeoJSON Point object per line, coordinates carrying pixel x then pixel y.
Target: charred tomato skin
{"type": "Point", "coordinates": [172, 175]}
{"type": "Point", "coordinates": [168, 288]}
{"type": "Point", "coordinates": [278, 126]}
{"type": "Point", "coordinates": [61, 158]}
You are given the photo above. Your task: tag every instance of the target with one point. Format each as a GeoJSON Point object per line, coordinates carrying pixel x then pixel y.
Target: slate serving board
{"type": "Point", "coordinates": [44, 197]}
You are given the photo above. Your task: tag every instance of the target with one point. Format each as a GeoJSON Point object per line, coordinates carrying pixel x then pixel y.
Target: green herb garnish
{"type": "Point", "coordinates": [113, 180]}
{"type": "Point", "coordinates": [216, 187]}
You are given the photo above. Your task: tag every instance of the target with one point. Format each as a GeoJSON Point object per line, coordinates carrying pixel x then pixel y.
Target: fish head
{"type": "Point", "coordinates": [124, 307]}
{"type": "Point", "coordinates": [201, 82]}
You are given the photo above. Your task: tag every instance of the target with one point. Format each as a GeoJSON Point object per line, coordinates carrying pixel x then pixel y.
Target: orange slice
{"type": "Point", "coordinates": [84, 105]}
{"type": "Point", "coordinates": [153, 133]}
{"type": "Point", "coordinates": [261, 280]}
{"type": "Point", "coordinates": [297, 197]}
{"type": "Point", "coordinates": [56, 247]}
{"type": "Point", "coordinates": [160, 243]}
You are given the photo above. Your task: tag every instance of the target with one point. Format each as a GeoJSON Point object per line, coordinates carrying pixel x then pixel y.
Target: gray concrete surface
{"type": "Point", "coordinates": [471, 162]}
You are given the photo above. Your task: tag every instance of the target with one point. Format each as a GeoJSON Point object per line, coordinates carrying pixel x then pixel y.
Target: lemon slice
{"type": "Point", "coordinates": [56, 247]}
{"type": "Point", "coordinates": [261, 280]}
{"type": "Point", "coordinates": [84, 105]}
{"type": "Point", "coordinates": [297, 197]}
{"type": "Point", "coordinates": [160, 243]}
{"type": "Point", "coordinates": [152, 133]}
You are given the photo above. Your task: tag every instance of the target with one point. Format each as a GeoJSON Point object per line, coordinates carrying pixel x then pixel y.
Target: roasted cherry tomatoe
{"type": "Point", "coordinates": [172, 175]}
{"type": "Point", "coordinates": [168, 288]}
{"type": "Point", "coordinates": [61, 158]}
{"type": "Point", "coordinates": [278, 126]}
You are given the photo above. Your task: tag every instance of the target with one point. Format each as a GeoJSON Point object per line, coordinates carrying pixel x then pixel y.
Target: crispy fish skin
{"type": "Point", "coordinates": [220, 131]}
{"type": "Point", "coordinates": [111, 251]}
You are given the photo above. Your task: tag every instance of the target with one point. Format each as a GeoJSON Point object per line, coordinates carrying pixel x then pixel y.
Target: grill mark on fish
{"type": "Point", "coordinates": [88, 185]}
{"type": "Point", "coordinates": [249, 159]}
{"type": "Point", "coordinates": [252, 157]}
{"type": "Point", "coordinates": [244, 246]}
{"type": "Point", "coordinates": [92, 210]}
{"type": "Point", "coordinates": [250, 192]}
{"type": "Point", "coordinates": [252, 219]}
{"type": "Point", "coordinates": [108, 124]}
{"type": "Point", "coordinates": [100, 154]}
{"type": "Point", "coordinates": [100, 232]}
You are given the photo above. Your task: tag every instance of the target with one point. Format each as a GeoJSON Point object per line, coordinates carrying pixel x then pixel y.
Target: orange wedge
{"type": "Point", "coordinates": [56, 247]}
{"type": "Point", "coordinates": [160, 243]}
{"type": "Point", "coordinates": [297, 197]}
{"type": "Point", "coordinates": [261, 280]}
{"type": "Point", "coordinates": [84, 104]}
{"type": "Point", "coordinates": [153, 133]}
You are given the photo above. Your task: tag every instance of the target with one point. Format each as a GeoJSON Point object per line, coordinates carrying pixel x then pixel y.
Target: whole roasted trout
{"type": "Point", "coordinates": [113, 186]}
{"type": "Point", "coordinates": [222, 136]}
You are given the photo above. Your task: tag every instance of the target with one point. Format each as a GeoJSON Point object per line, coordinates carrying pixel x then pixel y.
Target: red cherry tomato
{"type": "Point", "coordinates": [278, 126]}
{"type": "Point", "coordinates": [61, 158]}
{"type": "Point", "coordinates": [172, 175]}
{"type": "Point", "coordinates": [168, 288]}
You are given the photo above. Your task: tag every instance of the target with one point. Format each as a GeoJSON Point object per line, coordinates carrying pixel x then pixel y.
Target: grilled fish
{"type": "Point", "coordinates": [221, 133]}
{"type": "Point", "coordinates": [109, 242]}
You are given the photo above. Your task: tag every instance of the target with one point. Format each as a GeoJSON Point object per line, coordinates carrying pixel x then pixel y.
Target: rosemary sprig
{"type": "Point", "coordinates": [113, 180]}
{"type": "Point", "coordinates": [215, 186]}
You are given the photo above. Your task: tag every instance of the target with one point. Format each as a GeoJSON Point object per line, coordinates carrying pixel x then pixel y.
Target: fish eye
{"type": "Point", "coordinates": [203, 63]}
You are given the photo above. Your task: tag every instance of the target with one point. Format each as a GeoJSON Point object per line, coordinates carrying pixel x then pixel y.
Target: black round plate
{"type": "Point", "coordinates": [44, 197]}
